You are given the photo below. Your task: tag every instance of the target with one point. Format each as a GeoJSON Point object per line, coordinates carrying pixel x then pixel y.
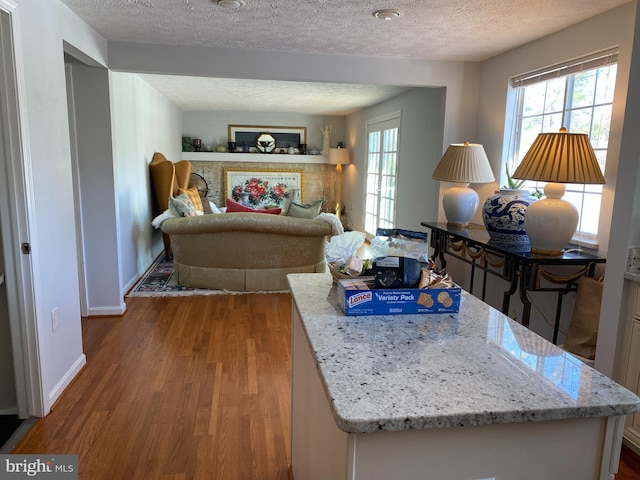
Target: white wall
{"type": "Point", "coordinates": [615, 27]}
{"type": "Point", "coordinates": [143, 122]}
{"type": "Point", "coordinates": [91, 121]}
{"type": "Point", "coordinates": [211, 127]}
{"type": "Point", "coordinates": [420, 149]}
{"type": "Point", "coordinates": [460, 79]}
{"type": "Point", "coordinates": [625, 224]}
{"type": "Point", "coordinates": [43, 26]}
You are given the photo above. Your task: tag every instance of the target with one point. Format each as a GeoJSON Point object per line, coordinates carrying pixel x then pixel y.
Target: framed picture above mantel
{"type": "Point", "coordinates": [285, 137]}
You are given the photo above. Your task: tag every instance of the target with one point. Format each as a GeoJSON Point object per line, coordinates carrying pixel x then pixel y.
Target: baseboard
{"type": "Point", "coordinates": [65, 381]}
{"type": "Point", "coordinates": [141, 273]}
{"type": "Point", "coordinates": [104, 311]}
{"type": "Point", "coordinates": [631, 445]}
{"type": "Point", "coordinates": [9, 411]}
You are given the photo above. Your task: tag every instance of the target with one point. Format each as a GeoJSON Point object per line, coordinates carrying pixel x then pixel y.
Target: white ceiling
{"type": "Point", "coordinates": [458, 30]}
{"type": "Point", "coordinates": [205, 94]}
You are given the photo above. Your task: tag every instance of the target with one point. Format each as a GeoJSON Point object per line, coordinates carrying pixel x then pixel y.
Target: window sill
{"type": "Point", "coordinates": [584, 242]}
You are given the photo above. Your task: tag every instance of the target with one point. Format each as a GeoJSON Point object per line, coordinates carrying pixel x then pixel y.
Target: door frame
{"type": "Point", "coordinates": [17, 225]}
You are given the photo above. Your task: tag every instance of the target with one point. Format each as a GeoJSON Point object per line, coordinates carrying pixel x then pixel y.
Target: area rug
{"type": "Point", "coordinates": [159, 281]}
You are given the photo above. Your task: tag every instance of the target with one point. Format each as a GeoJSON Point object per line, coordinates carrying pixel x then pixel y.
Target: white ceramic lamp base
{"type": "Point", "coordinates": [460, 204]}
{"type": "Point", "coordinates": [551, 222]}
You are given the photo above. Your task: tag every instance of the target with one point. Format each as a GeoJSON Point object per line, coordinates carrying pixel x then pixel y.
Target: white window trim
{"type": "Point", "coordinates": [392, 116]}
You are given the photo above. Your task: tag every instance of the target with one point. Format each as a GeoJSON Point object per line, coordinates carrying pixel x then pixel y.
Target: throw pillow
{"type": "Point", "coordinates": [233, 206]}
{"type": "Point", "coordinates": [181, 206]}
{"type": "Point", "coordinates": [194, 196]}
{"type": "Point", "coordinates": [309, 210]}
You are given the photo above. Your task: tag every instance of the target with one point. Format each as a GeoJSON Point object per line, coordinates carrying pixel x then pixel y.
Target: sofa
{"type": "Point", "coordinates": [245, 251]}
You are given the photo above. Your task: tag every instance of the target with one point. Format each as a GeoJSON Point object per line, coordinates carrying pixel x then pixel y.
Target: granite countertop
{"type": "Point", "coordinates": [476, 367]}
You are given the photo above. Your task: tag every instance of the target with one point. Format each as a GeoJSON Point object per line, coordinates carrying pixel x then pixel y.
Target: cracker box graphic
{"type": "Point", "coordinates": [357, 297]}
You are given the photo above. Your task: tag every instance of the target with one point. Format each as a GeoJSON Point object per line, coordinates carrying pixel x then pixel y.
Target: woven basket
{"type": "Point", "coordinates": [337, 274]}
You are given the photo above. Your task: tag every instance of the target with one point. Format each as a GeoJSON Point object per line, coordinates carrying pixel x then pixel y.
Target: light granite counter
{"type": "Point", "coordinates": [425, 372]}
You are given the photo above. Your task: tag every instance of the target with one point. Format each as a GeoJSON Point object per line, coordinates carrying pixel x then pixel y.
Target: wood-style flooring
{"type": "Point", "coordinates": [179, 388]}
{"type": "Point", "coordinates": [629, 465]}
{"type": "Point", "coordinates": [185, 388]}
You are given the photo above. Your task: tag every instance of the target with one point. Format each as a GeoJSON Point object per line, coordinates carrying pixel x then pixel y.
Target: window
{"type": "Point", "coordinates": [579, 96]}
{"type": "Point", "coordinates": [382, 167]}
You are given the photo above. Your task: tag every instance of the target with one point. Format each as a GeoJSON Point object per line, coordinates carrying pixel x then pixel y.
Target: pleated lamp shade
{"type": "Point", "coordinates": [462, 163]}
{"type": "Point", "coordinates": [560, 157]}
{"type": "Point", "coordinates": [556, 158]}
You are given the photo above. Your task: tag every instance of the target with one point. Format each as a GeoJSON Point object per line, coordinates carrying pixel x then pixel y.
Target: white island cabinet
{"type": "Point", "coordinates": [464, 396]}
{"type": "Point", "coordinates": [630, 364]}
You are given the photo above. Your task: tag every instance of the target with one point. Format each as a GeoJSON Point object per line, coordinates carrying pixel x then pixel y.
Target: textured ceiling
{"type": "Point", "coordinates": [268, 96]}
{"type": "Point", "coordinates": [461, 30]}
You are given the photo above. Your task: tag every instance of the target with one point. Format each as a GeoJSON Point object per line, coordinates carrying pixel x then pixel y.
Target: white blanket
{"type": "Point", "coordinates": [336, 224]}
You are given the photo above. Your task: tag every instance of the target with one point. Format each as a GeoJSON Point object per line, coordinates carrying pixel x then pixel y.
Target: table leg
{"type": "Point", "coordinates": [511, 272]}
{"type": "Point", "coordinates": [525, 272]}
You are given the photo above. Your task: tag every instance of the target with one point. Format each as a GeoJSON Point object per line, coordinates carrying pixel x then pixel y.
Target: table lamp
{"type": "Point", "coordinates": [338, 157]}
{"type": "Point", "coordinates": [462, 164]}
{"type": "Point", "coordinates": [557, 158]}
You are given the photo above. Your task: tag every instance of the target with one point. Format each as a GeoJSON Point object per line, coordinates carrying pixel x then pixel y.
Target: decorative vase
{"type": "Point", "coordinates": [503, 216]}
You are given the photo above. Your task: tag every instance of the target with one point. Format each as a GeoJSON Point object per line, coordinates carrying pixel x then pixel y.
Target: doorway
{"type": "Point", "coordinates": [95, 198]}
{"type": "Point", "coordinates": [20, 378]}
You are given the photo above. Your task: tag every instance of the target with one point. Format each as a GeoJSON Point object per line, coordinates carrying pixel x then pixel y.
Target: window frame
{"type": "Point", "coordinates": [566, 71]}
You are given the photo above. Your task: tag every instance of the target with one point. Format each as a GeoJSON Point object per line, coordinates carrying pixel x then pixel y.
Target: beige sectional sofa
{"type": "Point", "coordinates": [245, 251]}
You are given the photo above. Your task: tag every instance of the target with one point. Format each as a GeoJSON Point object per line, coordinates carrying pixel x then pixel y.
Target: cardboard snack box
{"type": "Point", "coordinates": [356, 296]}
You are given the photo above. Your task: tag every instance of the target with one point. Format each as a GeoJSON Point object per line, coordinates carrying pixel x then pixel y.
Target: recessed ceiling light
{"type": "Point", "coordinates": [231, 3]}
{"type": "Point", "coordinates": [387, 14]}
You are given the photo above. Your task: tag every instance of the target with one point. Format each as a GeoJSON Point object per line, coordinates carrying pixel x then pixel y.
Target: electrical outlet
{"type": "Point", "coordinates": [54, 319]}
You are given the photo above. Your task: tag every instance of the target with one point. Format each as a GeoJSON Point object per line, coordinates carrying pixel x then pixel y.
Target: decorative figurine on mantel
{"type": "Point", "coordinates": [326, 140]}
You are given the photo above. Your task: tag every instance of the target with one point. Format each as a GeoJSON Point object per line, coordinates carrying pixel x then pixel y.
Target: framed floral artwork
{"type": "Point", "coordinates": [262, 188]}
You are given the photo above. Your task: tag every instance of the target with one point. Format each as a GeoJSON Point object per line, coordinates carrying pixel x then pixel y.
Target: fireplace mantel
{"type": "Point", "coordinates": [252, 157]}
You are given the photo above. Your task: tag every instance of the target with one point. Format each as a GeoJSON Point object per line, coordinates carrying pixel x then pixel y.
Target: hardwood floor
{"type": "Point", "coordinates": [179, 388]}
{"type": "Point", "coordinates": [629, 465]}
{"type": "Point", "coordinates": [185, 388]}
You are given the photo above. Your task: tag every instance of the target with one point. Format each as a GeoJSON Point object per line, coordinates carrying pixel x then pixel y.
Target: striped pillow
{"type": "Point", "coordinates": [181, 206]}
{"type": "Point", "coordinates": [194, 196]}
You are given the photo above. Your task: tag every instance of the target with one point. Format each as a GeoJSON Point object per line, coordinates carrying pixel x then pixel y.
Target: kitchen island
{"type": "Point", "coordinates": [472, 395]}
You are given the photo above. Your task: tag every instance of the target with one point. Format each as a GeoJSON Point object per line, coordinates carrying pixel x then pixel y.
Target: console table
{"type": "Point", "coordinates": [513, 263]}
